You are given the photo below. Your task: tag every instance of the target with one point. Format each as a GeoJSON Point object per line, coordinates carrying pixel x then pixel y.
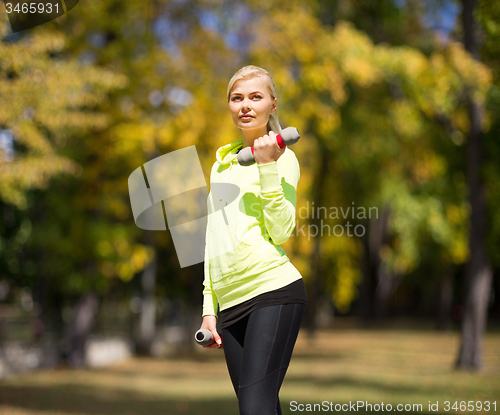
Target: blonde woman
{"type": "Point", "coordinates": [260, 294]}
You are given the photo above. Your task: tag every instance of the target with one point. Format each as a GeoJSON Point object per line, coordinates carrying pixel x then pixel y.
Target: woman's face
{"type": "Point", "coordinates": [251, 104]}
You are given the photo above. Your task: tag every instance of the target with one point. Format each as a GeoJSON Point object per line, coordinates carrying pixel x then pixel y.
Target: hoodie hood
{"type": "Point", "coordinates": [227, 153]}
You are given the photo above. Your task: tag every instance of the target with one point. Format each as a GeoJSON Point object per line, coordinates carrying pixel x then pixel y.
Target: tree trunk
{"type": "Point", "coordinates": [478, 271]}
{"type": "Point", "coordinates": [378, 236]}
{"type": "Point", "coordinates": [316, 285]}
{"type": "Point", "coordinates": [366, 294]}
{"type": "Point", "coordinates": [81, 326]}
{"type": "Point", "coordinates": [316, 289]}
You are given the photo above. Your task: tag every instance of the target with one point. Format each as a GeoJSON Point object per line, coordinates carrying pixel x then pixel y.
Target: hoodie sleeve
{"type": "Point", "coordinates": [209, 298]}
{"type": "Point", "coordinates": [278, 182]}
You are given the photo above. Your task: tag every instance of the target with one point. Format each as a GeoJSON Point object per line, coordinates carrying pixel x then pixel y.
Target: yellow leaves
{"type": "Point", "coordinates": [47, 101]}
{"type": "Point", "coordinates": [345, 288]}
{"type": "Point", "coordinates": [406, 119]}
{"type": "Point", "coordinates": [411, 62]}
{"type": "Point", "coordinates": [335, 83]}
{"type": "Point", "coordinates": [121, 259]}
{"type": "Point", "coordinates": [354, 53]}
{"type": "Point", "coordinates": [75, 119]}
{"type": "Point", "coordinates": [427, 165]}
{"type": "Point", "coordinates": [285, 84]}
{"type": "Point", "coordinates": [141, 256]}
{"type": "Point", "coordinates": [329, 121]}
{"type": "Point", "coordinates": [315, 77]}
{"type": "Point", "coordinates": [403, 265]}
{"type": "Point", "coordinates": [414, 217]}
{"type": "Point", "coordinates": [474, 74]}
{"type": "Point", "coordinates": [227, 133]}
{"type": "Point", "coordinates": [340, 256]}
{"type": "Point", "coordinates": [122, 248]}
{"type": "Point", "coordinates": [400, 258]}
{"type": "Point", "coordinates": [106, 79]}
{"type": "Point", "coordinates": [460, 120]}
{"type": "Point", "coordinates": [360, 70]}
{"type": "Point", "coordinates": [117, 208]}
{"type": "Point", "coordinates": [435, 219]}
{"type": "Point", "coordinates": [457, 217]}
{"type": "Point", "coordinates": [459, 249]}
{"type": "Point", "coordinates": [189, 125]}
{"type": "Point", "coordinates": [27, 133]}
{"type": "Point", "coordinates": [124, 271]}
{"type": "Point", "coordinates": [19, 55]}
{"type": "Point", "coordinates": [104, 248]}
{"type": "Point", "coordinates": [324, 59]}
{"type": "Point", "coordinates": [130, 138]}
{"type": "Point", "coordinates": [433, 84]}
{"type": "Point", "coordinates": [344, 39]}
{"type": "Point", "coordinates": [31, 172]}
{"type": "Point", "coordinates": [289, 30]}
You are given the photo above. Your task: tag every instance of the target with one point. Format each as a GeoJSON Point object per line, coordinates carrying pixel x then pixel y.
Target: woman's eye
{"type": "Point", "coordinates": [257, 96]}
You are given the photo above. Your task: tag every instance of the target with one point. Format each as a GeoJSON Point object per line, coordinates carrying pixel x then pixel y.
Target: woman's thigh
{"type": "Point", "coordinates": [233, 338]}
{"type": "Point", "coordinates": [258, 352]}
{"type": "Point", "coordinates": [270, 337]}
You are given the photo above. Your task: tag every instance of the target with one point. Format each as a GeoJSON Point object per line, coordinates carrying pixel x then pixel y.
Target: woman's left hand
{"type": "Point", "coordinates": [266, 149]}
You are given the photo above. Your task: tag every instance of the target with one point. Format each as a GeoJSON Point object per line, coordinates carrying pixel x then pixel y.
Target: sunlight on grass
{"type": "Point", "coordinates": [390, 366]}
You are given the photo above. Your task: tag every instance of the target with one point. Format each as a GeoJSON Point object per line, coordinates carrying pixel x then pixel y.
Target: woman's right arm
{"type": "Point", "coordinates": [210, 306]}
{"type": "Point", "coordinates": [210, 302]}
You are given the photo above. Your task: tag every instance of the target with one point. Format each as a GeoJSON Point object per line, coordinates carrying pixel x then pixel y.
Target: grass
{"type": "Point", "coordinates": [338, 366]}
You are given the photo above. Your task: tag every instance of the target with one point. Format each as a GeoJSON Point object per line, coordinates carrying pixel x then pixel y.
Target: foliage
{"type": "Point", "coordinates": [385, 108]}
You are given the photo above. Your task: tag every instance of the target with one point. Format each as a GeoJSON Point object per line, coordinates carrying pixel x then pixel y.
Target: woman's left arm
{"type": "Point", "coordinates": [278, 181]}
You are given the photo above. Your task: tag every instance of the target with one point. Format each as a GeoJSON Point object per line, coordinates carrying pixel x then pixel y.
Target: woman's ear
{"type": "Point", "coordinates": [275, 105]}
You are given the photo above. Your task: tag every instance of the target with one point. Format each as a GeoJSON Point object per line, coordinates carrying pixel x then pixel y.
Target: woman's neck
{"type": "Point", "coordinates": [249, 136]}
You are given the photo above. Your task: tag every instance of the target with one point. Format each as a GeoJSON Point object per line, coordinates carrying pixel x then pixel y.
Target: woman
{"type": "Point", "coordinates": [261, 295]}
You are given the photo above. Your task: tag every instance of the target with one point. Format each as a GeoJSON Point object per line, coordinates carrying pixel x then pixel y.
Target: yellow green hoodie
{"type": "Point", "coordinates": [251, 212]}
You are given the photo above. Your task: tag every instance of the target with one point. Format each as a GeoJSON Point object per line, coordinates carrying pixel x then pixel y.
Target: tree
{"type": "Point", "coordinates": [44, 108]}
{"type": "Point", "coordinates": [478, 272]}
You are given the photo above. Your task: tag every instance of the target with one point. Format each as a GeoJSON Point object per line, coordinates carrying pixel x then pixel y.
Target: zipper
{"type": "Point", "coordinates": [230, 182]}
{"type": "Point", "coordinates": [226, 183]}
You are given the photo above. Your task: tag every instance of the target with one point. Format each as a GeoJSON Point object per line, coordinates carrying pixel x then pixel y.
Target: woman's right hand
{"type": "Point", "coordinates": [209, 323]}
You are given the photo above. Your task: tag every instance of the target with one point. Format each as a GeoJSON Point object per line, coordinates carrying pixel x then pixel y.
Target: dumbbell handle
{"type": "Point", "coordinates": [288, 136]}
{"type": "Point", "coordinates": [204, 337]}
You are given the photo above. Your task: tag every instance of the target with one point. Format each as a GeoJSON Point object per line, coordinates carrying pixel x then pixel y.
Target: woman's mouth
{"type": "Point", "coordinates": [246, 117]}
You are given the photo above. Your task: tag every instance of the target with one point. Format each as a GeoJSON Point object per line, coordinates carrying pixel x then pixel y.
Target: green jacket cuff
{"type": "Point", "coordinates": [269, 177]}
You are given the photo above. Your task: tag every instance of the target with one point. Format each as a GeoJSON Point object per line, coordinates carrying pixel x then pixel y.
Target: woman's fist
{"type": "Point", "coordinates": [266, 149]}
{"type": "Point", "coordinates": [209, 323]}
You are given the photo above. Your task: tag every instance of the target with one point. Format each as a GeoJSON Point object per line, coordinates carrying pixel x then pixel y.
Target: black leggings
{"type": "Point", "coordinates": [258, 349]}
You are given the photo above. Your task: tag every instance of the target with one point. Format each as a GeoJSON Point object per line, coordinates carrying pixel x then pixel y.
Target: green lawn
{"type": "Point", "coordinates": [339, 366]}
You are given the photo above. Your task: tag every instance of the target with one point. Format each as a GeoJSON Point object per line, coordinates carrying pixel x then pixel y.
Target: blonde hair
{"type": "Point", "coordinates": [252, 71]}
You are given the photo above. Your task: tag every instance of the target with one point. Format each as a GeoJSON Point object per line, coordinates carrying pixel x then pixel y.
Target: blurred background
{"type": "Point", "coordinates": [398, 219]}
